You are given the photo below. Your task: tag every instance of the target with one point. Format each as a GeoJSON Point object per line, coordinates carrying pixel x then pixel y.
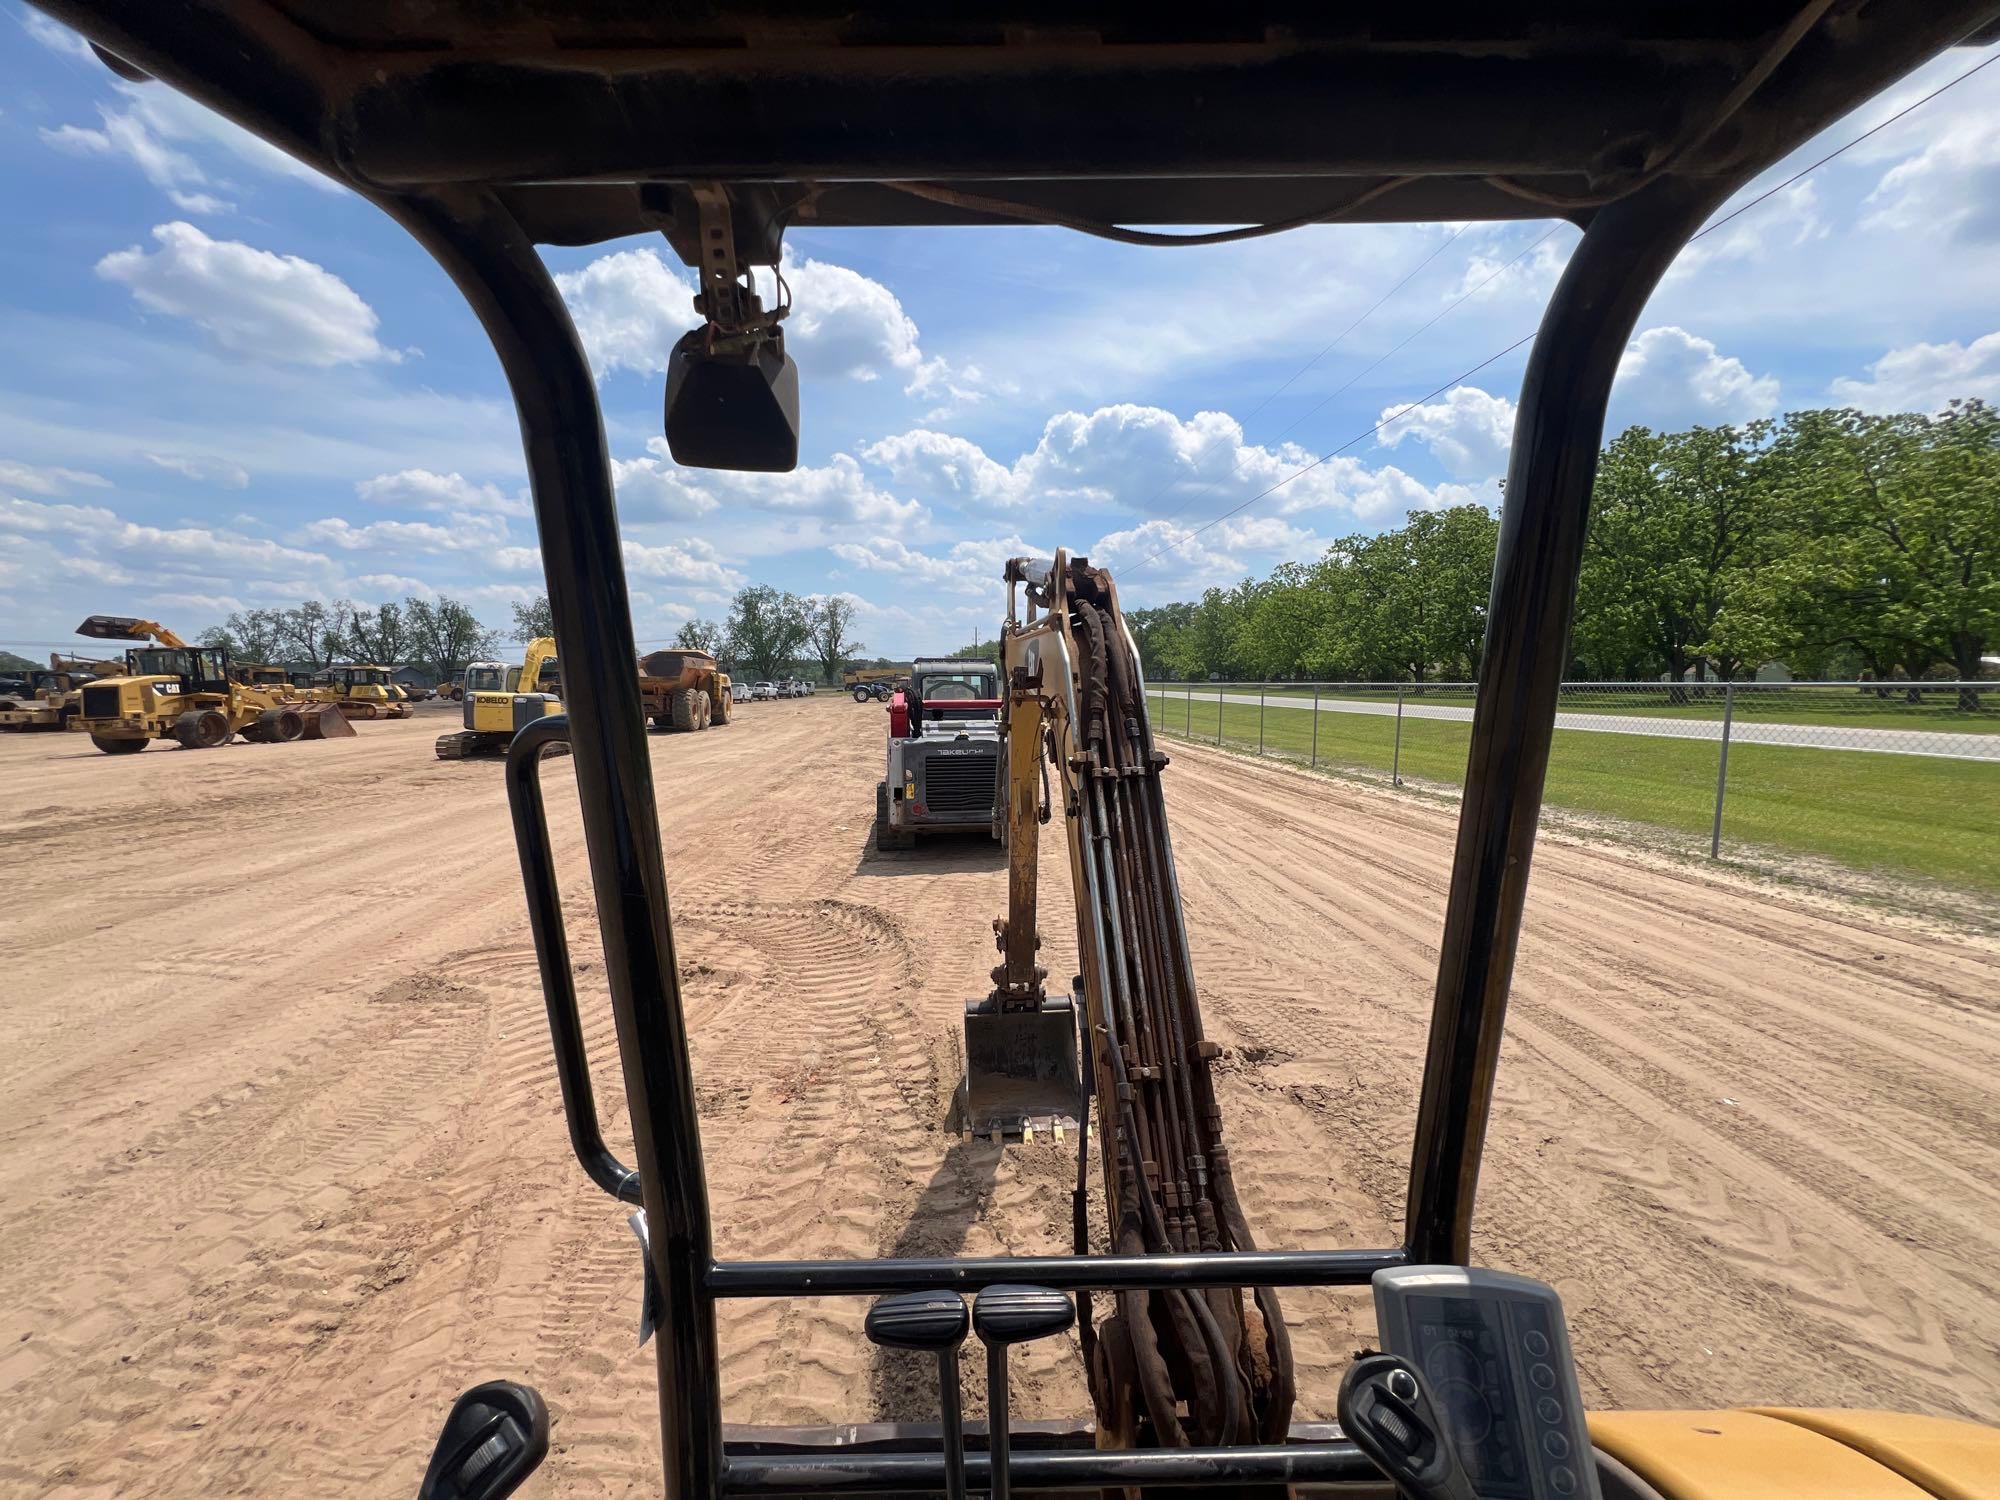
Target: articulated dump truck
{"type": "Point", "coordinates": [683, 689]}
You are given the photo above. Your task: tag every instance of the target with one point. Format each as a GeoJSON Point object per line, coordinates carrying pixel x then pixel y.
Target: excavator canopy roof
{"type": "Point", "coordinates": [594, 117]}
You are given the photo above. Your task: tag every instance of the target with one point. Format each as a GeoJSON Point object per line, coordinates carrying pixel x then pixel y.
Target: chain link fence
{"type": "Point", "coordinates": [1897, 778]}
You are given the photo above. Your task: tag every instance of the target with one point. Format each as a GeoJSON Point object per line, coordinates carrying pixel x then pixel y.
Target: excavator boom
{"type": "Point", "coordinates": [1174, 1366]}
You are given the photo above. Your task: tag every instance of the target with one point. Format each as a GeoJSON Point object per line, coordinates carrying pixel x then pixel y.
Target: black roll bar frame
{"type": "Point", "coordinates": [297, 90]}
{"type": "Point", "coordinates": [1624, 251]}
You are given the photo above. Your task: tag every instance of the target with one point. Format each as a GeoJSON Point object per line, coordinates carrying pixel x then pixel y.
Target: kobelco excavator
{"type": "Point", "coordinates": [499, 701]}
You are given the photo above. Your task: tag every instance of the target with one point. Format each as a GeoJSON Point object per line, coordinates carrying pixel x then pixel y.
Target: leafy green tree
{"type": "Point", "coordinates": [533, 619]}
{"type": "Point", "coordinates": [767, 628]}
{"type": "Point", "coordinates": [249, 635]}
{"type": "Point", "coordinates": [828, 617]}
{"type": "Point", "coordinates": [380, 636]}
{"type": "Point", "coordinates": [311, 633]}
{"type": "Point", "coordinates": [445, 635]}
{"type": "Point", "coordinates": [703, 635]}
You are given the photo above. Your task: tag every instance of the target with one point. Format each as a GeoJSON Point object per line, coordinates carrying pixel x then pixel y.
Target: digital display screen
{"type": "Point", "coordinates": [1460, 1344]}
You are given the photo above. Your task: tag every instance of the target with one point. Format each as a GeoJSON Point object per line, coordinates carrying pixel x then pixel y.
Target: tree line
{"type": "Point", "coordinates": [1839, 543]}
{"type": "Point", "coordinates": [768, 632]}
{"type": "Point", "coordinates": [439, 636]}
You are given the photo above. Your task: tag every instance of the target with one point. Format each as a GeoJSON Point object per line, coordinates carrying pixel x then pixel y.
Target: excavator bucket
{"type": "Point", "coordinates": [325, 722]}
{"type": "Point", "coordinates": [1021, 1072]}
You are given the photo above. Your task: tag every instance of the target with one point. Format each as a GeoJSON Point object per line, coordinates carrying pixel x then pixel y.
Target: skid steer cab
{"type": "Point", "coordinates": [944, 759]}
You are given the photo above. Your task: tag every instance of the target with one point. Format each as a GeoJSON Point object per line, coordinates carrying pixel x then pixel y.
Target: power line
{"type": "Point", "coordinates": [1404, 411]}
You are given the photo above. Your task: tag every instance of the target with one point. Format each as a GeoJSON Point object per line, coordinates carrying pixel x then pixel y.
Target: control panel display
{"type": "Point", "coordinates": [1494, 1353]}
{"type": "Point", "coordinates": [1459, 1344]}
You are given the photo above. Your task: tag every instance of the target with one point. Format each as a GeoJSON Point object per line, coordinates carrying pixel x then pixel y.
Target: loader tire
{"type": "Point", "coordinates": [704, 709]}
{"type": "Point", "coordinates": [203, 729]}
{"type": "Point", "coordinates": [278, 726]}
{"type": "Point", "coordinates": [719, 709]}
{"type": "Point", "coordinates": [117, 747]}
{"type": "Point", "coordinates": [683, 710]}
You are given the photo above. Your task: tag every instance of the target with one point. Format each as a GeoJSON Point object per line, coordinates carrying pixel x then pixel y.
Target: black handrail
{"type": "Point", "coordinates": [1095, 1273]}
{"type": "Point", "coordinates": [545, 921]}
{"type": "Point", "coordinates": [1091, 1469]}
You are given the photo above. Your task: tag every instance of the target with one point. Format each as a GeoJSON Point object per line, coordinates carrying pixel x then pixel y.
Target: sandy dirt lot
{"type": "Point", "coordinates": [282, 1163]}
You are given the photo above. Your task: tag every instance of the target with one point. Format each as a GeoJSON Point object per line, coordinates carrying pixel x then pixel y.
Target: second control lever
{"type": "Point", "coordinates": [1003, 1316]}
{"type": "Point", "coordinates": [1385, 1408]}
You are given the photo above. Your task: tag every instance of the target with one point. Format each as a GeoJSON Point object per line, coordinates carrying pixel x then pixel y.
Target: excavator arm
{"type": "Point", "coordinates": [126, 628]}
{"type": "Point", "coordinates": [541, 649]}
{"type": "Point", "coordinates": [1173, 1366]}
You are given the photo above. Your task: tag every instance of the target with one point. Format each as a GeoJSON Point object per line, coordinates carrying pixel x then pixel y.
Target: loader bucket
{"type": "Point", "coordinates": [325, 722]}
{"type": "Point", "coordinates": [1021, 1072]}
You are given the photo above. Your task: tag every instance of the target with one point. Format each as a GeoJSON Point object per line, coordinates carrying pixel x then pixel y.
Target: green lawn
{"type": "Point", "coordinates": [1844, 707]}
{"type": "Point", "coordinates": [1899, 814]}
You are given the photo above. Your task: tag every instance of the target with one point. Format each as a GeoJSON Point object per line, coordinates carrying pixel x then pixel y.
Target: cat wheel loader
{"type": "Point", "coordinates": [173, 691]}
{"type": "Point", "coordinates": [720, 125]}
{"type": "Point", "coordinates": [498, 702]}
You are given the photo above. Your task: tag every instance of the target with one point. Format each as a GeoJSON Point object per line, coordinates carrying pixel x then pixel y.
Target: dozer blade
{"type": "Point", "coordinates": [1021, 1070]}
{"type": "Point", "coordinates": [325, 722]}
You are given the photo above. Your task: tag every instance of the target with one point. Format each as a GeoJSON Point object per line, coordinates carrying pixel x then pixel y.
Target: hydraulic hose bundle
{"type": "Point", "coordinates": [1176, 1366]}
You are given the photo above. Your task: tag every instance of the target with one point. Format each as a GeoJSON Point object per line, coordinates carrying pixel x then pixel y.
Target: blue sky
{"type": "Point", "coordinates": [225, 382]}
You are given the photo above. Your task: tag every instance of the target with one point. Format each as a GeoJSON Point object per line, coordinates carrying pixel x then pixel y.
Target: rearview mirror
{"type": "Point", "coordinates": [496, 1436]}
{"type": "Point", "coordinates": [734, 409]}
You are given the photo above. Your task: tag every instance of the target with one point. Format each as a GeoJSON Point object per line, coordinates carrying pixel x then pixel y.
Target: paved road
{"type": "Point", "coordinates": [1937, 744]}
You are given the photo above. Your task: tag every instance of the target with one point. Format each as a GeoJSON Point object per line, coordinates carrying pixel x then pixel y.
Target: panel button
{"type": "Point", "coordinates": [1549, 1410]}
{"type": "Point", "coordinates": [1543, 1377]}
{"type": "Point", "coordinates": [1536, 1343]}
{"type": "Point", "coordinates": [1562, 1481]}
{"type": "Point", "coordinates": [1555, 1445]}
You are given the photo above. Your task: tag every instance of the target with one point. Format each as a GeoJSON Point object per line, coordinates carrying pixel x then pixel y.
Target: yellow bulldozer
{"type": "Point", "coordinates": [172, 690]}
{"type": "Point", "coordinates": [500, 700]}
{"type": "Point", "coordinates": [366, 691]}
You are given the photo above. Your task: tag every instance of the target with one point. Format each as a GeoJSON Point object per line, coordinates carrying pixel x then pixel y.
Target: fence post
{"type": "Point", "coordinates": [1218, 715]}
{"type": "Point", "coordinates": [1722, 768]}
{"type": "Point", "coordinates": [1190, 711]}
{"type": "Point", "coordinates": [1315, 759]}
{"type": "Point", "coordinates": [1396, 759]}
{"type": "Point", "coordinates": [1260, 717]}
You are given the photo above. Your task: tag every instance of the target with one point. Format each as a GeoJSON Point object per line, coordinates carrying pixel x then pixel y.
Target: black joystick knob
{"type": "Point", "coordinates": [1386, 1410]}
{"type": "Point", "coordinates": [1003, 1316]}
{"type": "Point", "coordinates": [934, 1322]}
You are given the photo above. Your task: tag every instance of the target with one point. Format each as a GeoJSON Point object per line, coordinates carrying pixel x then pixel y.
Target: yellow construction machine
{"type": "Point", "coordinates": [683, 689]}
{"type": "Point", "coordinates": [365, 691]}
{"type": "Point", "coordinates": [499, 700]}
{"type": "Point", "coordinates": [172, 690]}
{"type": "Point", "coordinates": [52, 695]}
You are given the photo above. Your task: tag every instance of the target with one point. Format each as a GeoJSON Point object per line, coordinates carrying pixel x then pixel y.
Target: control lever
{"type": "Point", "coordinates": [1385, 1407]}
{"type": "Point", "coordinates": [1003, 1316]}
{"type": "Point", "coordinates": [496, 1436]}
{"type": "Point", "coordinates": [933, 1321]}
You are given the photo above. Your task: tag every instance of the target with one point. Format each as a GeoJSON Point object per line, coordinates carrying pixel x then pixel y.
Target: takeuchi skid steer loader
{"type": "Point", "coordinates": [184, 693]}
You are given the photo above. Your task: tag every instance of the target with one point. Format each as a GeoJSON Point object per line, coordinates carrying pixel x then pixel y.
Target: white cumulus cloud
{"type": "Point", "coordinates": [44, 479]}
{"type": "Point", "coordinates": [1671, 378]}
{"type": "Point", "coordinates": [204, 468]}
{"type": "Point", "coordinates": [1470, 431]}
{"type": "Point", "coordinates": [250, 301]}
{"type": "Point", "coordinates": [1924, 377]}
{"type": "Point", "coordinates": [425, 489]}
{"type": "Point", "coordinates": [469, 531]}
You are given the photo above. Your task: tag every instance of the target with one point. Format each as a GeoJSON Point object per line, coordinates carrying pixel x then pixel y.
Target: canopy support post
{"type": "Point", "coordinates": [483, 249]}
{"type": "Point", "coordinates": [1557, 429]}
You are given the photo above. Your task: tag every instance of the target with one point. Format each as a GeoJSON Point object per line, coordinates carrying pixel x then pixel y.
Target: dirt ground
{"type": "Point", "coordinates": [282, 1162]}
